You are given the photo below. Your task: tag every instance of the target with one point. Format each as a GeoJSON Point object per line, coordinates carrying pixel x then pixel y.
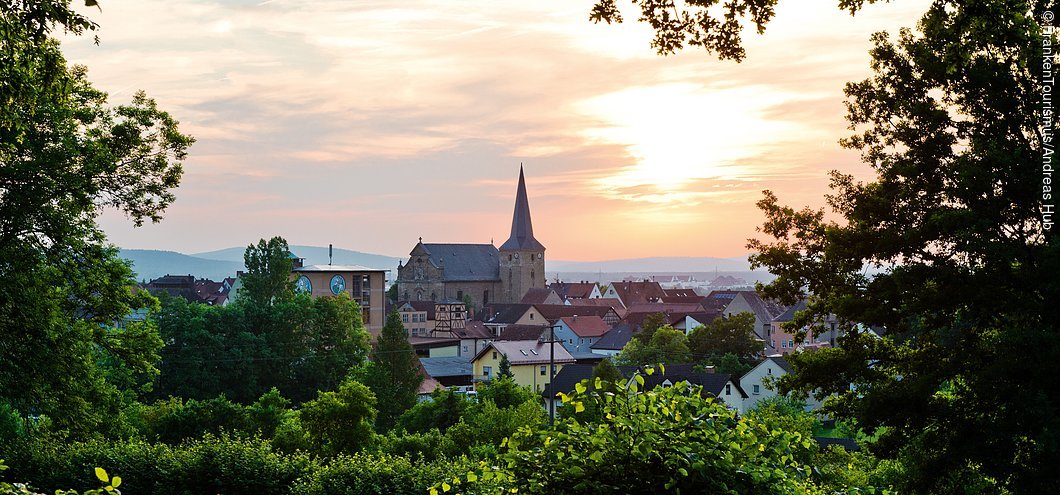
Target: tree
{"type": "Point", "coordinates": [964, 262]}
{"type": "Point", "coordinates": [505, 393]}
{"type": "Point", "coordinates": [340, 421]}
{"type": "Point", "coordinates": [732, 335]}
{"type": "Point", "coordinates": [469, 304]}
{"type": "Point", "coordinates": [648, 327]}
{"type": "Point", "coordinates": [392, 293]}
{"type": "Point", "coordinates": [607, 371]}
{"type": "Point", "coordinates": [504, 370]}
{"type": "Point", "coordinates": [268, 276]}
{"type": "Point", "coordinates": [444, 410]}
{"type": "Point", "coordinates": [667, 440]}
{"type": "Point", "coordinates": [65, 155]}
{"type": "Point", "coordinates": [667, 346]}
{"type": "Point", "coordinates": [242, 350]}
{"type": "Point", "coordinates": [394, 372]}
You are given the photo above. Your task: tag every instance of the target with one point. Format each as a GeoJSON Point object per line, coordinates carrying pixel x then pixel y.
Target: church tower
{"type": "Point", "coordinates": [522, 257]}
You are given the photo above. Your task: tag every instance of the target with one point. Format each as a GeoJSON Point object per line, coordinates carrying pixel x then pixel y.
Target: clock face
{"type": "Point", "coordinates": [338, 284]}
{"type": "Point", "coordinates": [303, 285]}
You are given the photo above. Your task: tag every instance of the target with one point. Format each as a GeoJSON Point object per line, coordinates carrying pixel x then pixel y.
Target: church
{"type": "Point", "coordinates": [440, 272]}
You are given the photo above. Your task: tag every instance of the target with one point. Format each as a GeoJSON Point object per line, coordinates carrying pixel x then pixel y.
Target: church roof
{"type": "Point", "coordinates": [464, 262]}
{"type": "Point", "coordinates": [522, 237]}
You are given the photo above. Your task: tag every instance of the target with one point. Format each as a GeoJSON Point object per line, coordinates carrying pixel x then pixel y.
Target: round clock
{"type": "Point", "coordinates": [338, 284]}
{"type": "Point", "coordinates": [303, 285]}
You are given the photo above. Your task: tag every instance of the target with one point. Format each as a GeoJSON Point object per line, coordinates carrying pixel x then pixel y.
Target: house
{"type": "Point", "coordinates": [602, 302]}
{"type": "Point", "coordinates": [748, 301]}
{"type": "Point", "coordinates": [821, 335]}
{"type": "Point", "coordinates": [758, 383]}
{"type": "Point", "coordinates": [614, 340]}
{"type": "Point", "coordinates": [553, 312]}
{"type": "Point", "coordinates": [541, 296]}
{"type": "Point", "coordinates": [576, 290]}
{"type": "Point", "coordinates": [579, 333]}
{"type": "Point", "coordinates": [435, 346]}
{"type": "Point", "coordinates": [723, 386]}
{"type": "Point", "coordinates": [524, 332]}
{"type": "Point", "coordinates": [450, 316]}
{"type": "Point", "coordinates": [631, 293]}
{"type": "Point", "coordinates": [719, 385]}
{"type": "Point", "coordinates": [417, 317]}
{"type": "Point", "coordinates": [364, 285]}
{"type": "Point", "coordinates": [449, 371]}
{"type": "Point", "coordinates": [529, 361]}
{"type": "Point", "coordinates": [498, 316]}
{"type": "Point", "coordinates": [481, 272]}
{"type": "Point", "coordinates": [473, 338]}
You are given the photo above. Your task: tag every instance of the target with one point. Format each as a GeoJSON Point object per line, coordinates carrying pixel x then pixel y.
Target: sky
{"type": "Point", "coordinates": [369, 124]}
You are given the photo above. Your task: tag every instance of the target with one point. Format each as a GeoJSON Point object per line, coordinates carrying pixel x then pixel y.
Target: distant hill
{"type": "Point", "coordinates": [215, 265]}
{"type": "Point", "coordinates": [150, 264]}
{"type": "Point", "coordinates": [661, 264]}
{"type": "Point", "coordinates": [313, 255]}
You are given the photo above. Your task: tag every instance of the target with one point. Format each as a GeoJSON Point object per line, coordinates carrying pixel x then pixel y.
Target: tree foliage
{"type": "Point", "coordinates": [667, 440]}
{"type": "Point", "coordinates": [340, 421]}
{"type": "Point", "coordinates": [732, 335]}
{"type": "Point", "coordinates": [394, 372]}
{"type": "Point", "coordinates": [965, 283]}
{"type": "Point", "coordinates": [65, 156]}
{"type": "Point", "coordinates": [667, 346]}
{"type": "Point", "coordinates": [648, 327]}
{"type": "Point", "coordinates": [242, 350]}
{"type": "Point", "coordinates": [268, 276]}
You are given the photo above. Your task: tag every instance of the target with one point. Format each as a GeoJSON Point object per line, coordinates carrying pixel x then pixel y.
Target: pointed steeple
{"type": "Point", "coordinates": [522, 237]}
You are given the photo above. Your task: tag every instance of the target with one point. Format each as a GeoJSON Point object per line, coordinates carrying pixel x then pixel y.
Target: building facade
{"type": "Point", "coordinates": [480, 272]}
{"type": "Point", "coordinates": [362, 284]}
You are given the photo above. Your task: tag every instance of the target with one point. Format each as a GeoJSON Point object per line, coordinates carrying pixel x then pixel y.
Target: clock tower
{"type": "Point", "coordinates": [522, 257]}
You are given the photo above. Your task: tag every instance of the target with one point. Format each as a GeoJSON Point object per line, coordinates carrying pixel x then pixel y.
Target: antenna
{"type": "Point", "coordinates": [330, 254]}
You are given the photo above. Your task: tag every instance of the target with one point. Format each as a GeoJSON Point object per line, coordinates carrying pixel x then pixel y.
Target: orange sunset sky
{"type": "Point", "coordinates": [369, 124]}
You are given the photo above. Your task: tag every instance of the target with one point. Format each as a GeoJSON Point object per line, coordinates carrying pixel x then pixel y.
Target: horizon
{"type": "Point", "coordinates": [317, 132]}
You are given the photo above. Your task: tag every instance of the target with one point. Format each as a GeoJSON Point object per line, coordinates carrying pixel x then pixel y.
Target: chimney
{"type": "Point", "coordinates": [708, 369]}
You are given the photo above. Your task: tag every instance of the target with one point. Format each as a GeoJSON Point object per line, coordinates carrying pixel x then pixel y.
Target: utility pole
{"type": "Point", "coordinates": [551, 374]}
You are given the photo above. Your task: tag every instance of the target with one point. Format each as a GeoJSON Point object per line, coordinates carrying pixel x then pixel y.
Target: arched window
{"type": "Point", "coordinates": [531, 274]}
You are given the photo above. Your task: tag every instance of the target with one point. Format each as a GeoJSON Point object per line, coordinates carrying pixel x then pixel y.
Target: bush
{"type": "Point", "coordinates": [368, 474]}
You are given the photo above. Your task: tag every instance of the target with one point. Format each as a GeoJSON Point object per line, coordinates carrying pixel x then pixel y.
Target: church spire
{"type": "Point", "coordinates": [522, 237]}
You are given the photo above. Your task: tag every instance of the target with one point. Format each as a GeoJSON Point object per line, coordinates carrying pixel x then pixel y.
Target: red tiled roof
{"type": "Point", "coordinates": [633, 293]}
{"type": "Point", "coordinates": [586, 326]}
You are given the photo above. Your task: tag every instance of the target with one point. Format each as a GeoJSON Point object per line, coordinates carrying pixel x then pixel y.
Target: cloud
{"type": "Point", "coordinates": [327, 119]}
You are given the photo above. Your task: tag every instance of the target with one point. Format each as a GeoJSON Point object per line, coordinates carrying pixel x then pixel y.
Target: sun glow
{"type": "Point", "coordinates": [678, 134]}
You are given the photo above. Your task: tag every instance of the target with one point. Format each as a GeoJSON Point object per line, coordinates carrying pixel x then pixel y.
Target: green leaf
{"type": "Point", "coordinates": [446, 487]}
{"type": "Point", "coordinates": [472, 477]}
{"type": "Point", "coordinates": [102, 475]}
{"type": "Point", "coordinates": [580, 387]}
{"type": "Point", "coordinates": [649, 371]}
{"type": "Point", "coordinates": [116, 481]}
{"type": "Point", "coordinates": [640, 380]}
{"type": "Point", "coordinates": [579, 407]}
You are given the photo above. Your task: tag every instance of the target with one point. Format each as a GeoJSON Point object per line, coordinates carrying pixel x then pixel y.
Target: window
{"type": "Point", "coordinates": [465, 348]}
{"type": "Point", "coordinates": [769, 371]}
{"type": "Point", "coordinates": [531, 316]}
{"type": "Point", "coordinates": [756, 389]}
{"type": "Point", "coordinates": [487, 371]}
{"type": "Point", "coordinates": [404, 317]}
{"type": "Point", "coordinates": [544, 370]}
{"type": "Point", "coordinates": [485, 297]}
{"type": "Point", "coordinates": [494, 354]}
{"type": "Point", "coordinates": [460, 295]}
{"type": "Point", "coordinates": [728, 389]}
